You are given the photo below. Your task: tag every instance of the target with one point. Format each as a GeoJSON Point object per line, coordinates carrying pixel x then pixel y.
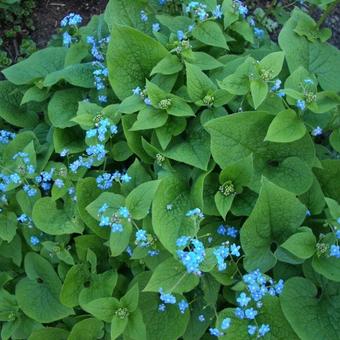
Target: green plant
{"type": "Point", "coordinates": [168, 171]}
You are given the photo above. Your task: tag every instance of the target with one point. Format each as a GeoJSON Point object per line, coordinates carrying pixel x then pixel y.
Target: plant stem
{"type": "Point", "coordinates": [327, 12]}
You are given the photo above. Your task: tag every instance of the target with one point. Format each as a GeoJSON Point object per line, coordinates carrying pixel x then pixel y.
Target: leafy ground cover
{"type": "Point", "coordinates": [171, 171]}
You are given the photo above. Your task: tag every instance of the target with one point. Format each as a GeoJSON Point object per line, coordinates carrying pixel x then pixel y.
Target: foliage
{"type": "Point", "coordinates": [168, 171]}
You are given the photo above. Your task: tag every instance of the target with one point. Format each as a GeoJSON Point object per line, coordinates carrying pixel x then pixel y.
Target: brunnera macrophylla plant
{"type": "Point", "coordinates": [168, 171]}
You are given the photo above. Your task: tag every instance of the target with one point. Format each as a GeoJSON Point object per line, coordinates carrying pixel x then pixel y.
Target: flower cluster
{"type": "Point", "coordinates": [168, 298]}
{"type": "Point", "coordinates": [227, 231]}
{"type": "Point", "coordinates": [103, 129]}
{"type": "Point", "coordinates": [195, 213]}
{"type": "Point", "coordinates": [113, 220]}
{"type": "Point", "coordinates": [241, 8]}
{"type": "Point", "coordinates": [44, 180]}
{"type": "Point", "coordinates": [191, 253]}
{"type": "Point", "coordinates": [225, 324]}
{"type": "Point", "coordinates": [197, 9]}
{"type": "Point", "coordinates": [335, 248]}
{"type": "Point", "coordinates": [70, 22]}
{"type": "Point", "coordinates": [223, 252]}
{"type": "Point", "coordinates": [24, 163]}
{"type": "Point", "coordinates": [6, 136]}
{"type": "Point", "coordinates": [105, 180]}
{"type": "Point", "coordinates": [250, 302]}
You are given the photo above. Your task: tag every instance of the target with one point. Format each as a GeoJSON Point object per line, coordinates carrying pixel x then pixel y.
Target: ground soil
{"type": "Point", "coordinates": [49, 13]}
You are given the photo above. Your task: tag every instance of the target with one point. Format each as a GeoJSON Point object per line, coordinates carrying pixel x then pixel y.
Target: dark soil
{"type": "Point", "coordinates": [49, 13]}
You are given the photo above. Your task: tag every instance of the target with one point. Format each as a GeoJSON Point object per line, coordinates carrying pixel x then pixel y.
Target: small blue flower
{"type": "Point", "coordinates": [125, 178]}
{"type": "Point", "coordinates": [217, 12]}
{"type": "Point", "coordinates": [215, 332]}
{"type": "Point", "coordinates": [201, 318]}
{"type": "Point", "coordinates": [167, 297]}
{"type": "Point", "coordinates": [34, 240]}
{"type": "Point", "coordinates": [335, 251]}
{"type": "Point", "coordinates": [147, 101]}
{"type": "Point", "coordinates": [264, 329]}
{"type": "Point", "coordinates": [156, 27]}
{"type": "Point", "coordinates": [153, 253]}
{"type": "Point", "coordinates": [6, 136]}
{"type": "Point", "coordinates": [195, 213]}
{"type": "Point", "coordinates": [239, 313]}
{"type": "Point", "coordinates": [225, 323]}
{"type": "Point", "coordinates": [64, 152]}
{"type": "Point", "coordinates": [67, 39]}
{"type": "Point", "coordinates": [143, 16]}
{"type": "Point", "coordinates": [116, 227]}
{"type": "Point", "coordinates": [234, 250]}
{"type": "Point", "coordinates": [337, 234]}
{"type": "Point", "coordinates": [259, 33]}
{"type": "Point", "coordinates": [23, 218]}
{"type": "Point", "coordinates": [250, 313]}
{"type": "Point", "coordinates": [137, 91]}
{"type": "Point", "coordinates": [142, 238]}
{"type": "Point", "coordinates": [180, 35]}
{"type": "Point", "coordinates": [31, 192]}
{"type": "Point", "coordinates": [308, 81]}
{"type": "Point", "coordinates": [124, 212]}
{"type": "Point", "coordinates": [281, 94]}
{"type": "Point", "coordinates": [317, 131]}
{"type": "Point", "coordinates": [243, 300]}
{"type": "Point", "coordinates": [59, 183]}
{"type": "Point", "coordinates": [277, 85]}
{"type": "Point", "coordinates": [252, 329]}
{"type": "Point", "coordinates": [183, 306]}
{"type": "Point", "coordinates": [301, 104]}
{"type": "Point", "coordinates": [182, 241]}
{"type": "Point", "coordinates": [162, 307]}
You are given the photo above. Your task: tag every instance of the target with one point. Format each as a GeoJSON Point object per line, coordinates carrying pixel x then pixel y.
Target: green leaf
{"type": "Point", "coordinates": [80, 75]}
{"type": "Point", "coordinates": [49, 333]}
{"type": "Point", "coordinates": [103, 308]}
{"type": "Point", "coordinates": [198, 83]}
{"type": "Point", "coordinates": [210, 33]}
{"type": "Point", "coordinates": [139, 200]}
{"type": "Point", "coordinates": [130, 299]}
{"type": "Point", "coordinates": [136, 327]}
{"type": "Point", "coordinates": [169, 224]}
{"type": "Point", "coordinates": [240, 133]}
{"type": "Point", "coordinates": [131, 57]}
{"type": "Point", "coordinates": [166, 326]}
{"type": "Point", "coordinates": [172, 277]}
{"type": "Point", "coordinates": [10, 109]}
{"type": "Point", "coordinates": [223, 203]}
{"type": "Point", "coordinates": [119, 241]}
{"type": "Point", "coordinates": [276, 216]}
{"type": "Point", "coordinates": [175, 23]}
{"type": "Point", "coordinates": [194, 149]}
{"type": "Point", "coordinates": [118, 326]}
{"type": "Point", "coordinates": [87, 329]}
{"type": "Point", "coordinates": [312, 316]}
{"type": "Point", "coordinates": [169, 65]}
{"type": "Point", "coordinates": [203, 60]}
{"type": "Point", "coordinates": [63, 107]}
{"type": "Point", "coordinates": [37, 66]}
{"type": "Point", "coordinates": [259, 91]}
{"type": "Point", "coordinates": [8, 226]}
{"type": "Point", "coordinates": [273, 63]}
{"type": "Point", "coordinates": [244, 29]}
{"type": "Point", "coordinates": [149, 118]}
{"type": "Point", "coordinates": [301, 244]}
{"type": "Point", "coordinates": [53, 221]}
{"type": "Point", "coordinates": [286, 127]}
{"type": "Point", "coordinates": [73, 284]}
{"type": "Point", "coordinates": [125, 12]}
{"type": "Point", "coordinates": [34, 94]}
{"type": "Point", "coordinates": [38, 293]}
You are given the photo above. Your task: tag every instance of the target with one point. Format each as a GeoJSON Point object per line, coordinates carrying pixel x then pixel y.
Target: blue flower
{"type": "Point", "coordinates": [250, 313]}
{"type": "Point", "coordinates": [195, 213]}
{"type": "Point", "coordinates": [182, 241]}
{"type": "Point", "coordinates": [23, 218]}
{"type": "Point", "coordinates": [103, 208]}
{"type": "Point", "coordinates": [116, 227]}
{"type": "Point", "coordinates": [104, 181]}
{"type": "Point", "coordinates": [180, 35]}
{"type": "Point", "coordinates": [215, 332]}
{"type": "Point", "coordinates": [124, 212]}
{"type": "Point", "coordinates": [217, 12]}
{"type": "Point", "coordinates": [142, 238]}
{"type": "Point", "coordinates": [234, 250]}
{"type": "Point", "coordinates": [243, 300]}
{"type": "Point", "coordinates": [31, 192]}
{"type": "Point", "coordinates": [221, 253]}
{"type": "Point", "coordinates": [192, 258]}
{"type": "Point", "coordinates": [252, 329]}
{"type": "Point", "coordinates": [34, 240]}
{"type": "Point", "coordinates": [137, 91]}
{"type": "Point", "coordinates": [147, 101]}
{"type": "Point", "coordinates": [143, 16]}
{"type": "Point", "coordinates": [335, 251]}
{"type": "Point", "coordinates": [183, 306]}
{"type": "Point", "coordinates": [337, 234]}
{"type": "Point", "coordinates": [162, 2]}
{"type": "Point", "coordinates": [301, 104]}
{"type": "Point", "coordinates": [264, 329]}
{"type": "Point", "coordinates": [104, 221]}
{"type": "Point", "coordinates": [277, 85]}
{"type": "Point", "coordinates": [71, 20]}
{"type": "Point", "coordinates": [259, 33]}
{"type": "Point", "coordinates": [59, 183]}
{"type": "Point", "coordinates": [308, 81]}
{"type": "Point", "coordinates": [317, 131]}
{"type": "Point", "coordinates": [239, 313]}
{"type": "Point", "coordinates": [125, 178]}
{"type": "Point", "coordinates": [201, 318]}
{"type": "Point", "coordinates": [64, 152]}
{"type": "Point", "coordinates": [156, 27]}
{"type": "Point", "coordinates": [162, 307]}
{"type": "Point", "coordinates": [67, 39]}
{"type": "Point", "coordinates": [153, 253]}
{"type": "Point", "coordinates": [6, 136]}
{"type": "Point", "coordinates": [167, 297]}
{"type": "Point", "coordinates": [225, 323]}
